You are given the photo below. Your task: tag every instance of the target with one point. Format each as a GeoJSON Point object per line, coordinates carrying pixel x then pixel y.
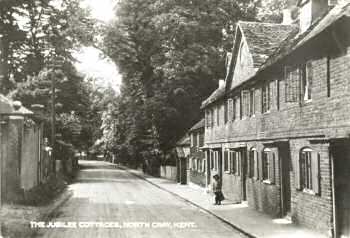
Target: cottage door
{"type": "Point", "coordinates": [244, 171]}
{"type": "Point", "coordinates": [341, 156]}
{"type": "Point", "coordinates": [285, 165]}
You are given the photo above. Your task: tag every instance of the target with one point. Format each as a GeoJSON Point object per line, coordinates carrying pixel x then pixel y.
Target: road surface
{"type": "Point", "coordinates": [110, 202]}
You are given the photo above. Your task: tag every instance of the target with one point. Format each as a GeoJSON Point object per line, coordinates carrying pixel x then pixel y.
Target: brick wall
{"type": "Point", "coordinates": [197, 178]}
{"type": "Point", "coordinates": [314, 211]}
{"type": "Point", "coordinates": [231, 187]}
{"type": "Point", "coordinates": [325, 116]}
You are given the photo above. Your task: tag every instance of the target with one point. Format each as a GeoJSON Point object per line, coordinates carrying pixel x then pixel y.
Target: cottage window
{"type": "Point", "coordinates": [234, 109]}
{"type": "Point", "coordinates": [230, 109]}
{"type": "Point", "coordinates": [212, 117]}
{"type": "Point", "coordinates": [245, 103]}
{"type": "Point", "coordinates": [201, 139]}
{"type": "Point", "coordinates": [207, 119]}
{"type": "Point", "coordinates": [204, 165]}
{"type": "Point", "coordinates": [199, 164]}
{"type": "Point", "coordinates": [238, 108]}
{"type": "Point", "coordinates": [268, 165]}
{"type": "Point", "coordinates": [307, 81]}
{"type": "Point", "coordinates": [235, 162]}
{"type": "Point", "coordinates": [226, 161]}
{"type": "Point", "coordinates": [198, 140]}
{"type": "Point", "coordinates": [252, 102]}
{"type": "Point", "coordinates": [226, 106]}
{"type": "Point", "coordinates": [192, 140]}
{"type": "Point", "coordinates": [266, 98]}
{"type": "Point", "coordinates": [309, 165]}
{"type": "Point", "coordinates": [218, 115]}
{"type": "Point", "coordinates": [211, 159]}
{"type": "Point", "coordinates": [292, 84]}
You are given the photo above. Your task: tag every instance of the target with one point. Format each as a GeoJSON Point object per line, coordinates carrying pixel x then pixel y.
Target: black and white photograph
{"type": "Point", "coordinates": [174, 118]}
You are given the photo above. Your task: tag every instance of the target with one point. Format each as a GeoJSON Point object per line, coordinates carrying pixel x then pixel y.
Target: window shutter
{"type": "Point", "coordinates": [297, 173]}
{"type": "Point", "coordinates": [315, 170]}
{"type": "Point", "coordinates": [272, 158]}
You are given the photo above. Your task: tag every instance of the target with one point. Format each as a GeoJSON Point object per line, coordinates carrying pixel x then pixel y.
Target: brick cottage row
{"type": "Point", "coordinates": [277, 128]}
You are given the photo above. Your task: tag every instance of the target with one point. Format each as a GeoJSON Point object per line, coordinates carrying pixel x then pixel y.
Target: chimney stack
{"type": "Point", "coordinates": [287, 17]}
{"type": "Point", "coordinates": [221, 83]}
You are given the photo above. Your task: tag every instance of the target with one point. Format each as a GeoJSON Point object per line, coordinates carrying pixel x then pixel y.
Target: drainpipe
{"type": "Point", "coordinates": [334, 208]}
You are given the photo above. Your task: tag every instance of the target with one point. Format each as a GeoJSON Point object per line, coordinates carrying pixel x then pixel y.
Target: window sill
{"type": "Point", "coordinates": [227, 172]}
{"type": "Point", "coordinates": [266, 181]}
{"type": "Point", "coordinates": [267, 112]}
{"type": "Point", "coordinates": [308, 191]}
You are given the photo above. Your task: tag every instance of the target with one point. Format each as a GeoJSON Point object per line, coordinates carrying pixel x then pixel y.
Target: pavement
{"type": "Point", "coordinates": [15, 218]}
{"type": "Point", "coordinates": [108, 201]}
{"type": "Point", "coordinates": [245, 219]}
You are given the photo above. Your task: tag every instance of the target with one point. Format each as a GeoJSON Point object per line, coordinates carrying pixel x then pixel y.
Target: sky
{"type": "Point", "coordinates": [89, 59]}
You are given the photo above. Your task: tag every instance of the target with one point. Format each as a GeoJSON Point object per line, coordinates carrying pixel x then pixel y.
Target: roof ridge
{"type": "Point", "coordinates": [264, 23]}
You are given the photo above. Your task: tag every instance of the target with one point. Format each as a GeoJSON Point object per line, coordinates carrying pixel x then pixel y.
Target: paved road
{"type": "Point", "coordinates": [114, 197]}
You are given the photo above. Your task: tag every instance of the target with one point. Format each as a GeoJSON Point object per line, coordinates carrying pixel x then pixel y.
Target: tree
{"type": "Point", "coordinates": [171, 55]}
{"type": "Point", "coordinates": [35, 31]}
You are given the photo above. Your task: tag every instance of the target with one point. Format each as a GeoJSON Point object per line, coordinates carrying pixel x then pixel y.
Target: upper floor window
{"type": "Point", "coordinates": [218, 115]}
{"type": "Point", "coordinates": [252, 102]}
{"type": "Point", "coordinates": [212, 117]}
{"type": "Point", "coordinates": [230, 109]}
{"type": "Point", "coordinates": [245, 103]}
{"type": "Point", "coordinates": [266, 97]}
{"type": "Point", "coordinates": [226, 107]}
{"type": "Point", "coordinates": [307, 75]}
{"type": "Point", "coordinates": [292, 83]}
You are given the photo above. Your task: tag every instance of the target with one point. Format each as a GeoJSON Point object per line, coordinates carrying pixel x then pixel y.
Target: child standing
{"type": "Point", "coordinates": [217, 189]}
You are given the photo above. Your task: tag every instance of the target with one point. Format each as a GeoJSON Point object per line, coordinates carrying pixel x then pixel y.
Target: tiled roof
{"type": "Point", "coordinates": [217, 94]}
{"type": "Point", "coordinates": [289, 42]}
{"type": "Point", "coordinates": [264, 38]}
{"type": "Point", "coordinates": [297, 40]}
{"type": "Point", "coordinates": [198, 125]}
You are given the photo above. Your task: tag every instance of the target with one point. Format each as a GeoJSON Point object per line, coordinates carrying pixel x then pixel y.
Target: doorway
{"type": "Point", "coordinates": [285, 168]}
{"type": "Point", "coordinates": [340, 151]}
{"type": "Point", "coordinates": [244, 172]}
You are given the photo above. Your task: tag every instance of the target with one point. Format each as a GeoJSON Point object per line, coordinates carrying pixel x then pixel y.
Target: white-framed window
{"type": "Point", "coordinates": [266, 97]}
{"type": "Point", "coordinates": [252, 102]}
{"type": "Point", "coordinates": [204, 165]}
{"type": "Point", "coordinates": [307, 81]}
{"type": "Point", "coordinates": [268, 165]}
{"type": "Point", "coordinates": [211, 159]}
{"type": "Point", "coordinates": [245, 103]}
{"type": "Point", "coordinates": [308, 171]}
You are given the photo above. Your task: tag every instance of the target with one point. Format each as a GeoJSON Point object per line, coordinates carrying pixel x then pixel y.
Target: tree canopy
{"type": "Point", "coordinates": [171, 54]}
